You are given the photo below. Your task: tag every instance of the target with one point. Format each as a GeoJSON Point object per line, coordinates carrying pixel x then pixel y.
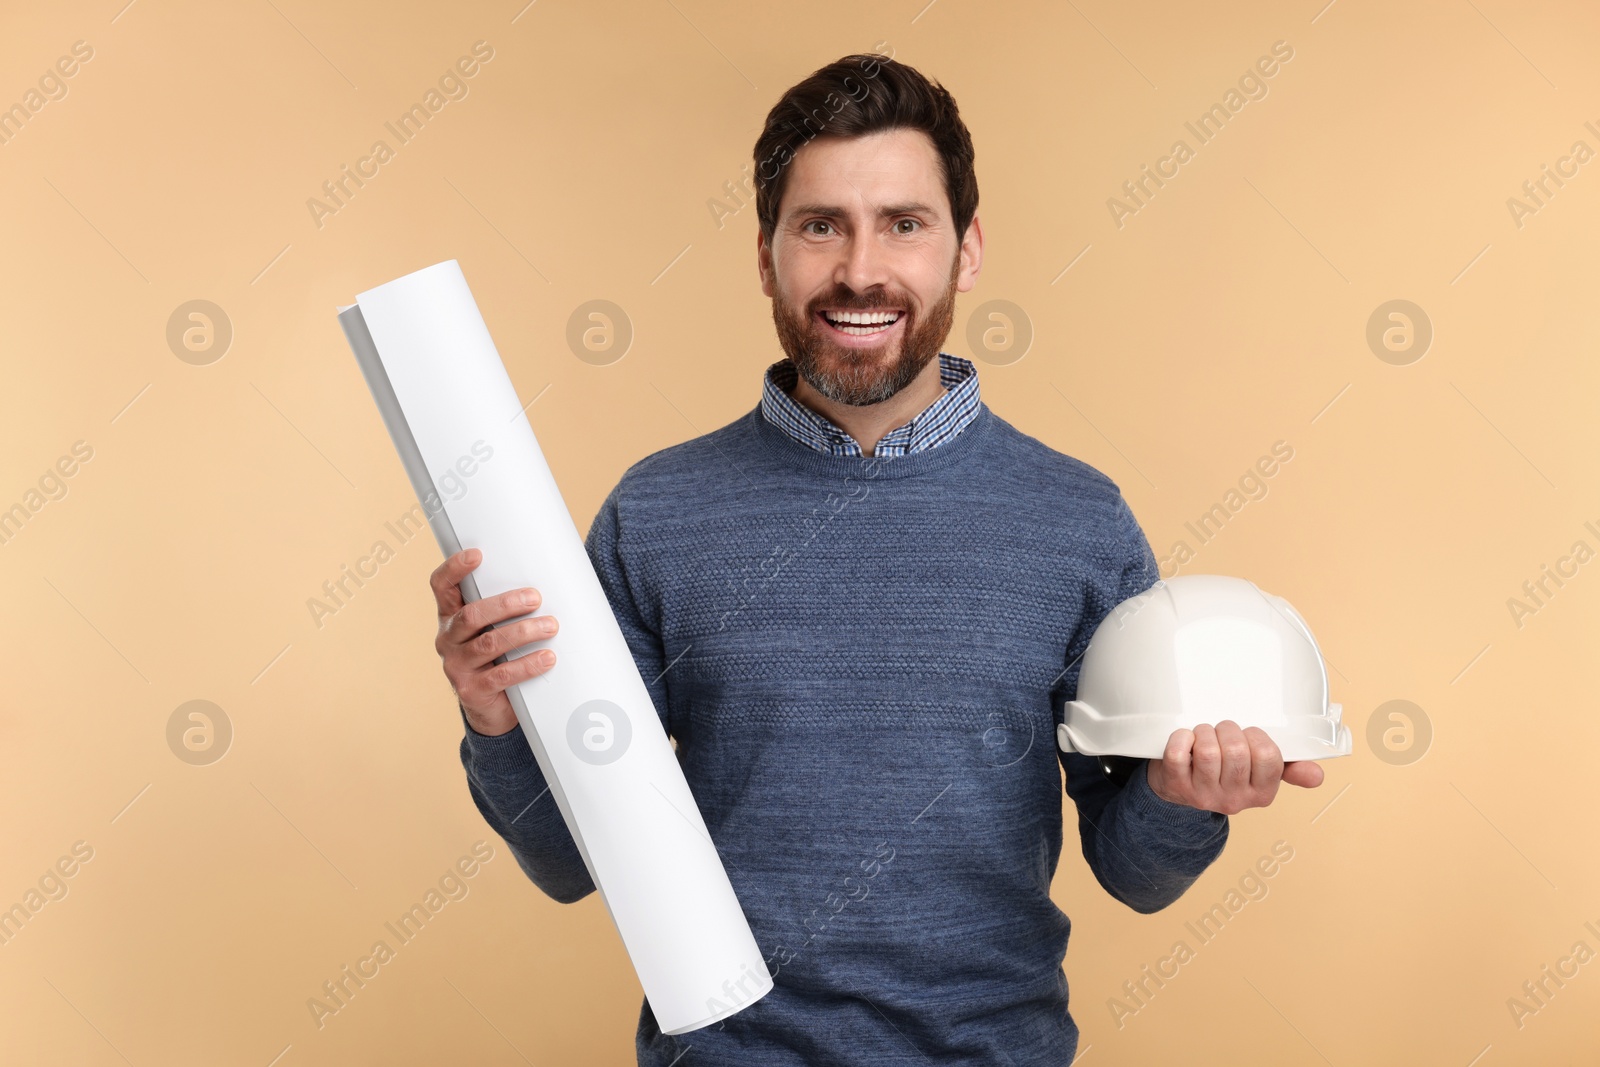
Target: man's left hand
{"type": "Point", "coordinates": [1224, 768]}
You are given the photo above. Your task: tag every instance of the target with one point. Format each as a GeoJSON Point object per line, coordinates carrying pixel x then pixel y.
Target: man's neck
{"type": "Point", "coordinates": [869, 423]}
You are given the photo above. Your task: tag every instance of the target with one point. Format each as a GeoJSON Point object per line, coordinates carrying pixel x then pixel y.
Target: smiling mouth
{"type": "Point", "coordinates": [861, 323]}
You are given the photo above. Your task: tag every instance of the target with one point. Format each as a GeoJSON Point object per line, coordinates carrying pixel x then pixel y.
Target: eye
{"type": "Point", "coordinates": [816, 222]}
{"type": "Point", "coordinates": [906, 222]}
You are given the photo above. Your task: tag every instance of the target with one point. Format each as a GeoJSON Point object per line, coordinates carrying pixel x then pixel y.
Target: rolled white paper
{"type": "Point", "coordinates": [477, 468]}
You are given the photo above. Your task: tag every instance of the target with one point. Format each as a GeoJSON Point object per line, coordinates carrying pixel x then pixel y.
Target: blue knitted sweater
{"type": "Point", "coordinates": [862, 662]}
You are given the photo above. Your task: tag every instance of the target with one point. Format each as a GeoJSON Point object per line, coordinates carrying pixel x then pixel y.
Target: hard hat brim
{"type": "Point", "coordinates": [1305, 737]}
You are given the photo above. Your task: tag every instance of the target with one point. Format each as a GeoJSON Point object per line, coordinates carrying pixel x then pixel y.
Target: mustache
{"type": "Point", "coordinates": [856, 302]}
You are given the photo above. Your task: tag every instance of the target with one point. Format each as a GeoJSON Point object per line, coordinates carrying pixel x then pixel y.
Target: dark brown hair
{"type": "Point", "coordinates": [855, 96]}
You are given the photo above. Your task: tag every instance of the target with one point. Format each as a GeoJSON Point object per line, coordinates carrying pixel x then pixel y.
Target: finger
{"type": "Point", "coordinates": [477, 616]}
{"type": "Point", "coordinates": [1234, 775]}
{"type": "Point", "coordinates": [1206, 759]}
{"type": "Point", "coordinates": [512, 671]}
{"type": "Point", "coordinates": [1266, 761]}
{"type": "Point", "coordinates": [1176, 769]}
{"type": "Point", "coordinates": [496, 641]}
{"type": "Point", "coordinates": [446, 579]}
{"type": "Point", "coordinates": [1307, 774]}
{"type": "Point", "coordinates": [484, 684]}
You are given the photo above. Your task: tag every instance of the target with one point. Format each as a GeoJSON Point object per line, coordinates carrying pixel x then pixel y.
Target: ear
{"type": "Point", "coordinates": [971, 256]}
{"type": "Point", "coordinates": [764, 265]}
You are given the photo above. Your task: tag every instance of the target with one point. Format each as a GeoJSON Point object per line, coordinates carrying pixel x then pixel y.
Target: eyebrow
{"type": "Point", "coordinates": [829, 211]}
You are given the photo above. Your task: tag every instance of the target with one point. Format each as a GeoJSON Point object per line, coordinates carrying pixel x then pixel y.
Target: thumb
{"type": "Point", "coordinates": [1305, 773]}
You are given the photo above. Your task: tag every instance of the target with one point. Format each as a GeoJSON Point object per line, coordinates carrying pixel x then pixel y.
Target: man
{"type": "Point", "coordinates": [859, 609]}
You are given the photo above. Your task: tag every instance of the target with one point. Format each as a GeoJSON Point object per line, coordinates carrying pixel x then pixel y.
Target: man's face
{"type": "Point", "coordinates": [865, 228]}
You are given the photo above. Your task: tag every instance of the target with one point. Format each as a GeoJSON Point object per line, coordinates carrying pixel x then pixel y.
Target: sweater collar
{"type": "Point", "coordinates": [791, 452]}
{"type": "Point", "coordinates": [938, 423]}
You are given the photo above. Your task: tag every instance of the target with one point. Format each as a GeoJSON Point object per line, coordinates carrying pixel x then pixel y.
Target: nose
{"type": "Point", "coordinates": [863, 263]}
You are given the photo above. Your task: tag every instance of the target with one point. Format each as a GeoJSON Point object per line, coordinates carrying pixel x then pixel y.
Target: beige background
{"type": "Point", "coordinates": [1229, 313]}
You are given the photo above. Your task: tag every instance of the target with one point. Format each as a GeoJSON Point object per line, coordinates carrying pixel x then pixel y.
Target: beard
{"type": "Point", "coordinates": [861, 376]}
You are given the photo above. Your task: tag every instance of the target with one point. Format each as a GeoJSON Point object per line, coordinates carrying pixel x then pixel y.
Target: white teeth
{"type": "Point", "coordinates": [862, 318]}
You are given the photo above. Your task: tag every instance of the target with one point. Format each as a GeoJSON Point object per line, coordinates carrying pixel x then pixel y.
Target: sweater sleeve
{"type": "Point", "coordinates": [514, 798]}
{"type": "Point", "coordinates": [505, 780]}
{"type": "Point", "coordinates": [1145, 851]}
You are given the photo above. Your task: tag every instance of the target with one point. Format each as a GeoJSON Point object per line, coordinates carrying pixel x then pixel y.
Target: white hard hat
{"type": "Point", "coordinates": [1201, 648]}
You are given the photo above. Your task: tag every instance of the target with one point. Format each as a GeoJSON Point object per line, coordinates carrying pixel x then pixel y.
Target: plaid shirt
{"type": "Point", "coordinates": [939, 421]}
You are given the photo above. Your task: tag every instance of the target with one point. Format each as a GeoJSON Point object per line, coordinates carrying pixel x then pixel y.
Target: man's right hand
{"type": "Point", "coordinates": [469, 643]}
